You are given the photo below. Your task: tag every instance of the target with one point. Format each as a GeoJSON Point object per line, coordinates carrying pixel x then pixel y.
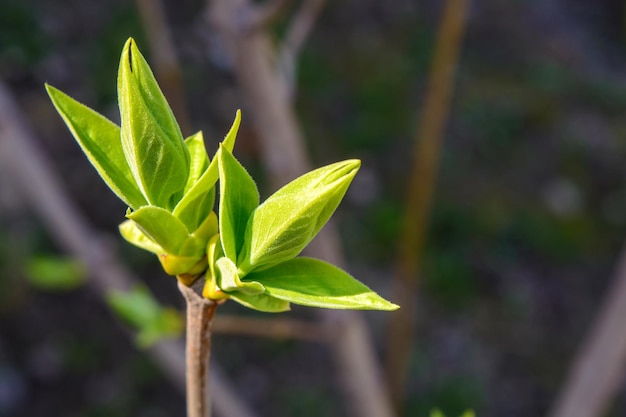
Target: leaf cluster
{"type": "Point", "coordinates": [248, 251]}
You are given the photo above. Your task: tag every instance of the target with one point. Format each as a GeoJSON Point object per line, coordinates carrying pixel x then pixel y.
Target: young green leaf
{"type": "Point", "coordinates": [288, 220]}
{"type": "Point", "coordinates": [228, 279]}
{"type": "Point", "coordinates": [199, 160]}
{"type": "Point", "coordinates": [162, 227]}
{"type": "Point", "coordinates": [196, 195]}
{"type": "Point", "coordinates": [315, 283]}
{"type": "Point", "coordinates": [99, 138]}
{"type": "Point", "coordinates": [133, 234]}
{"type": "Point", "coordinates": [151, 139]}
{"type": "Point", "coordinates": [238, 199]}
{"type": "Point", "coordinates": [231, 136]}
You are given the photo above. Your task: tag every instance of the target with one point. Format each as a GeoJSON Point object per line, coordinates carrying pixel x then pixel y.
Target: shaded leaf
{"type": "Point", "coordinates": [315, 283]}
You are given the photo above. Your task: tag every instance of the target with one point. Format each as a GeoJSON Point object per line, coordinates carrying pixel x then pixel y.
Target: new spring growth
{"type": "Point", "coordinates": [249, 253]}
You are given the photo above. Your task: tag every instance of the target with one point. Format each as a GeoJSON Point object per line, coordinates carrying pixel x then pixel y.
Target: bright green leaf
{"type": "Point", "coordinates": [199, 160]}
{"type": "Point", "coordinates": [151, 139]}
{"type": "Point", "coordinates": [228, 279]}
{"type": "Point", "coordinates": [162, 227]}
{"type": "Point", "coordinates": [231, 136]}
{"type": "Point", "coordinates": [54, 273]}
{"type": "Point", "coordinates": [315, 283]}
{"type": "Point", "coordinates": [238, 199]}
{"type": "Point", "coordinates": [202, 191]}
{"type": "Point", "coordinates": [286, 222]}
{"type": "Point", "coordinates": [100, 140]}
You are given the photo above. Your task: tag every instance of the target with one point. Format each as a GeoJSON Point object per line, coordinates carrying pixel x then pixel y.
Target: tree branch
{"type": "Point", "coordinates": [295, 37]}
{"type": "Point", "coordinates": [420, 194]}
{"type": "Point", "coordinates": [200, 312]}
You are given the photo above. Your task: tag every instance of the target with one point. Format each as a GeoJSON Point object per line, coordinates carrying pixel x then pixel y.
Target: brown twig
{"type": "Point", "coordinates": [200, 312]}
{"type": "Point", "coordinates": [284, 156]}
{"type": "Point", "coordinates": [24, 163]}
{"type": "Point", "coordinates": [420, 193]}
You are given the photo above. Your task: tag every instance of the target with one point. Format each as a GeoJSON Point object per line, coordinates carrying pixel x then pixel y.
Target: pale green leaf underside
{"type": "Point", "coordinates": [289, 219]}
{"type": "Point", "coordinates": [315, 283]}
{"type": "Point", "coordinates": [261, 302]}
{"type": "Point", "coordinates": [162, 227]}
{"type": "Point", "coordinates": [99, 138]}
{"type": "Point", "coordinates": [238, 199]}
{"type": "Point", "coordinates": [133, 234]}
{"type": "Point", "coordinates": [228, 280]}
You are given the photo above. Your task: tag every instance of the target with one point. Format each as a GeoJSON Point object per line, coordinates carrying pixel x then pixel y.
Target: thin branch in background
{"type": "Point", "coordinates": [259, 16]}
{"type": "Point", "coordinates": [420, 194]}
{"type": "Point", "coordinates": [597, 372]}
{"type": "Point", "coordinates": [295, 37]}
{"type": "Point", "coordinates": [164, 58]}
{"type": "Point", "coordinates": [277, 328]}
{"type": "Point", "coordinates": [24, 163]}
{"type": "Point", "coordinates": [284, 156]}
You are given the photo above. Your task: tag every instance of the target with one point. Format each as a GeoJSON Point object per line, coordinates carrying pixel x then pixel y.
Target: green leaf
{"type": "Point", "coordinates": [286, 222]}
{"type": "Point", "coordinates": [54, 273]}
{"type": "Point", "coordinates": [162, 227]}
{"type": "Point", "coordinates": [151, 139]}
{"type": "Point", "coordinates": [260, 302]}
{"type": "Point", "coordinates": [142, 311]}
{"type": "Point", "coordinates": [315, 283]}
{"type": "Point", "coordinates": [231, 136]}
{"type": "Point", "coordinates": [99, 138]}
{"type": "Point", "coordinates": [238, 199]}
{"type": "Point", "coordinates": [199, 160]}
{"type": "Point", "coordinates": [436, 413]}
{"type": "Point", "coordinates": [197, 194]}
{"type": "Point", "coordinates": [133, 234]}
{"type": "Point", "coordinates": [228, 280]}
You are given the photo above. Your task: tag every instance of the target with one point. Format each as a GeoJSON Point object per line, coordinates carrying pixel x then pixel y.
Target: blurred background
{"type": "Point", "coordinates": [527, 222]}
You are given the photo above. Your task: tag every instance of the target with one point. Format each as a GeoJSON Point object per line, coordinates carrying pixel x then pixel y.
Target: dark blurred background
{"type": "Point", "coordinates": [528, 219]}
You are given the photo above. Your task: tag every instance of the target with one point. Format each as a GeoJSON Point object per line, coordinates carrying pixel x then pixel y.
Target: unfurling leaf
{"type": "Point", "coordinates": [315, 283]}
{"type": "Point", "coordinates": [238, 199]}
{"type": "Point", "coordinates": [289, 219]}
{"type": "Point", "coordinates": [151, 139]}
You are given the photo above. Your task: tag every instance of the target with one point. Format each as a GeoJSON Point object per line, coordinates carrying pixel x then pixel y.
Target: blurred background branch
{"type": "Point", "coordinates": [420, 192]}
